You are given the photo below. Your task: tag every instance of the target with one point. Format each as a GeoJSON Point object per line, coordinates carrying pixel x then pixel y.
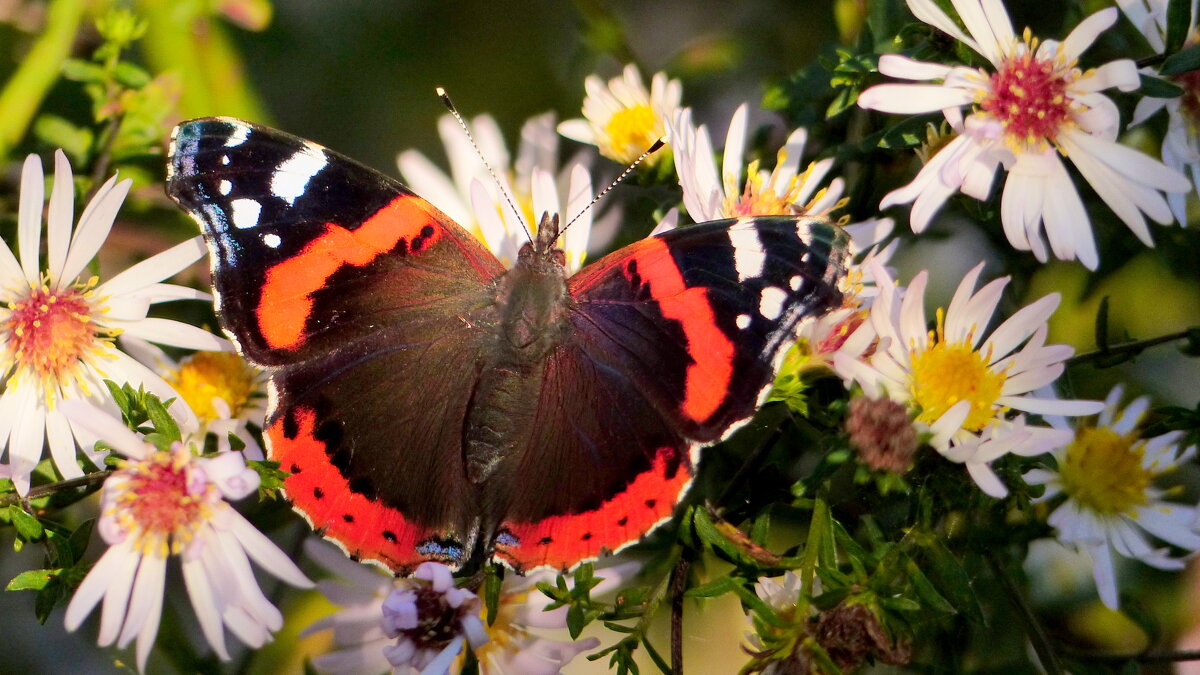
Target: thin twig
{"type": "Point", "coordinates": [1033, 627]}
{"type": "Point", "coordinates": [1132, 348]}
{"type": "Point", "coordinates": [679, 577]}
{"type": "Point", "coordinates": [1144, 657]}
{"type": "Point", "coordinates": [51, 488]}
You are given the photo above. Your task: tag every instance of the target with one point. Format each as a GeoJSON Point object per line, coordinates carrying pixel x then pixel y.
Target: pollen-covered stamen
{"type": "Point", "coordinates": [629, 132]}
{"type": "Point", "coordinates": [1189, 103]}
{"type": "Point", "coordinates": [769, 197]}
{"type": "Point", "coordinates": [1029, 96]}
{"type": "Point", "coordinates": [160, 501]}
{"type": "Point", "coordinates": [945, 373]}
{"type": "Point", "coordinates": [1103, 471]}
{"type": "Point", "coordinates": [51, 332]}
{"type": "Point", "coordinates": [207, 377]}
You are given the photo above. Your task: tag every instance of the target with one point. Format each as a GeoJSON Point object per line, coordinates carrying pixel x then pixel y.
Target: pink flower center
{"type": "Point", "coordinates": [1029, 96]}
{"type": "Point", "coordinates": [49, 331]}
{"type": "Point", "coordinates": [160, 500]}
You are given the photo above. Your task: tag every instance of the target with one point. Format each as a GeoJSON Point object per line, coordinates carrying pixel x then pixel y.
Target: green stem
{"type": "Point", "coordinates": [38, 71]}
{"type": "Point", "coordinates": [1131, 348]}
{"type": "Point", "coordinates": [1033, 627]}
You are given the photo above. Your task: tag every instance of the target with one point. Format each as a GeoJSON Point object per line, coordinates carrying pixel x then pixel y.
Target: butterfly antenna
{"type": "Point", "coordinates": [462, 124]}
{"type": "Point", "coordinates": [616, 181]}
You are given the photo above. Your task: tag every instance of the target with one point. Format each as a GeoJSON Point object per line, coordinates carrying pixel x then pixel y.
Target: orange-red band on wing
{"type": "Point", "coordinates": [712, 351]}
{"type": "Point", "coordinates": [562, 541]}
{"type": "Point", "coordinates": [286, 299]}
{"type": "Point", "coordinates": [365, 528]}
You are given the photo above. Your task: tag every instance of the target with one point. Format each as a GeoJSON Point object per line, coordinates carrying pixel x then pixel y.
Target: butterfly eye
{"type": "Point", "coordinates": [559, 257]}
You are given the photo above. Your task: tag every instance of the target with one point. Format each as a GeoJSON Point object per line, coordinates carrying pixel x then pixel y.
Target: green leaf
{"type": "Point", "coordinates": [46, 600]}
{"type": "Point", "coordinates": [164, 425]}
{"type": "Point", "coordinates": [83, 71]}
{"type": "Point", "coordinates": [491, 591]}
{"type": "Point", "coordinates": [1181, 62]}
{"type": "Point", "coordinates": [1179, 19]}
{"type": "Point", "coordinates": [926, 591]}
{"type": "Point", "coordinates": [900, 604]}
{"type": "Point", "coordinates": [1156, 87]}
{"type": "Point", "coordinates": [576, 620]}
{"type": "Point", "coordinates": [904, 135]}
{"type": "Point", "coordinates": [130, 75]}
{"type": "Point", "coordinates": [948, 573]}
{"type": "Point", "coordinates": [27, 526]}
{"type": "Point", "coordinates": [58, 132]}
{"type": "Point", "coordinates": [32, 580]}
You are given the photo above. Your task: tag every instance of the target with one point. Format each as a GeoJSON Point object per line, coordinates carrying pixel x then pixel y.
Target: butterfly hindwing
{"type": "Point", "coordinates": [357, 296]}
{"type": "Point", "coordinates": [675, 340]}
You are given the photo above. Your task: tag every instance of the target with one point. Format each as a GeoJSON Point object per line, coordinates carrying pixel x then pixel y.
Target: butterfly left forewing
{"type": "Point", "coordinates": [369, 308]}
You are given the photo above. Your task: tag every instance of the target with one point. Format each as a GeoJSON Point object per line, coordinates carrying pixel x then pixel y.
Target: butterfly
{"type": "Point", "coordinates": [427, 403]}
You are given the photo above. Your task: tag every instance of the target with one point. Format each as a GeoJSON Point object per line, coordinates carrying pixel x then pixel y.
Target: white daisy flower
{"type": "Point", "coordinates": [1107, 475]}
{"type": "Point", "coordinates": [471, 197]}
{"type": "Point", "coordinates": [524, 638]}
{"type": "Point", "coordinates": [1181, 145]}
{"type": "Point", "coordinates": [1034, 106]}
{"type": "Point", "coordinates": [225, 392]}
{"type": "Point", "coordinates": [159, 504]}
{"type": "Point", "coordinates": [622, 118]}
{"type": "Point", "coordinates": [57, 324]}
{"type": "Point", "coordinates": [958, 384]}
{"type": "Point", "coordinates": [712, 193]}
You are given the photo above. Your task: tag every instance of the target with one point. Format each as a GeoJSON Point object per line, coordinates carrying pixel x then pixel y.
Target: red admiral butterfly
{"type": "Point", "coordinates": [429, 404]}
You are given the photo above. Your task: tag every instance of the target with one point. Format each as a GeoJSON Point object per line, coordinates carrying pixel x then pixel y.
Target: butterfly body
{"type": "Point", "coordinates": [429, 404]}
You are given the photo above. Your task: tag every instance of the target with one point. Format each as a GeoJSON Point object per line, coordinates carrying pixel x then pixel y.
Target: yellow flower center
{"type": "Point", "coordinates": [160, 502]}
{"type": "Point", "coordinates": [1029, 96]}
{"type": "Point", "coordinates": [945, 374]}
{"type": "Point", "coordinates": [630, 132]}
{"type": "Point", "coordinates": [51, 333]}
{"type": "Point", "coordinates": [206, 376]}
{"type": "Point", "coordinates": [1103, 471]}
{"type": "Point", "coordinates": [765, 195]}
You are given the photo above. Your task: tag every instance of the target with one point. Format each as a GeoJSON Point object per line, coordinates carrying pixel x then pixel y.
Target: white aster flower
{"type": "Point", "coordinates": [1107, 475]}
{"type": "Point", "coordinates": [1034, 106]}
{"type": "Point", "coordinates": [159, 504]}
{"type": "Point", "coordinates": [1181, 145]}
{"type": "Point", "coordinates": [225, 392]}
{"type": "Point", "coordinates": [57, 323]}
{"type": "Point", "coordinates": [958, 384]}
{"type": "Point", "coordinates": [622, 118]}
{"type": "Point", "coordinates": [379, 625]}
{"type": "Point", "coordinates": [471, 197]}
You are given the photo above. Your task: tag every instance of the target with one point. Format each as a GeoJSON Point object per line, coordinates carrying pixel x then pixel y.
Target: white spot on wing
{"type": "Point", "coordinates": [743, 321]}
{"type": "Point", "coordinates": [748, 255]}
{"type": "Point", "coordinates": [245, 213]}
{"type": "Point", "coordinates": [239, 136]}
{"type": "Point", "coordinates": [291, 178]}
{"type": "Point", "coordinates": [796, 282]}
{"type": "Point", "coordinates": [271, 239]}
{"type": "Point", "coordinates": [770, 303]}
{"type": "Point", "coordinates": [224, 187]}
{"type": "Point", "coordinates": [225, 159]}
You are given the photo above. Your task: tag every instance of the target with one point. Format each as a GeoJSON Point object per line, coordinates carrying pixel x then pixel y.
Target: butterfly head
{"type": "Point", "coordinates": [542, 250]}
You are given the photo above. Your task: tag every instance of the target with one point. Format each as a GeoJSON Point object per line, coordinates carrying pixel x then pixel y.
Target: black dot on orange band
{"type": "Point", "coordinates": [318, 493]}
{"type": "Point", "coordinates": [348, 518]}
{"type": "Point", "coordinates": [389, 535]}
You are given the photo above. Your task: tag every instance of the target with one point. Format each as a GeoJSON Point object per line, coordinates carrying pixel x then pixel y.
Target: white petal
{"type": "Point", "coordinates": [578, 130]}
{"type": "Point", "coordinates": [544, 195]}
{"type": "Point", "coordinates": [94, 225]}
{"type": "Point", "coordinates": [29, 217]}
{"type": "Point", "coordinates": [174, 333]}
{"type": "Point", "coordinates": [266, 553]}
{"type": "Point", "coordinates": [147, 595]}
{"type": "Point", "coordinates": [1020, 326]}
{"type": "Point", "coordinates": [207, 614]}
{"type": "Point", "coordinates": [956, 327]}
{"type": "Point", "coordinates": [909, 99]}
{"type": "Point", "coordinates": [119, 580]}
{"type": "Point", "coordinates": [895, 65]}
{"type": "Point", "coordinates": [427, 180]}
{"type": "Point", "coordinates": [104, 426]}
{"type": "Point", "coordinates": [60, 218]}
{"type": "Point", "coordinates": [735, 144]}
{"type": "Point", "coordinates": [1121, 74]}
{"type": "Point", "coordinates": [62, 445]}
{"type": "Point", "coordinates": [96, 583]}
{"type": "Point", "coordinates": [930, 13]}
{"type": "Point", "coordinates": [987, 480]}
{"type": "Point", "coordinates": [1105, 574]}
{"type": "Point", "coordinates": [977, 22]}
{"type": "Point", "coordinates": [1039, 406]}
{"type": "Point", "coordinates": [155, 268]}
{"type": "Point", "coordinates": [1086, 33]}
